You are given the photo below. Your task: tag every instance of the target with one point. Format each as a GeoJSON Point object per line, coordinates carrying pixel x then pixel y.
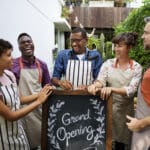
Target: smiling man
{"type": "Point", "coordinates": [79, 66]}
{"type": "Point", "coordinates": [31, 74]}
{"type": "Point", "coordinates": [141, 124]}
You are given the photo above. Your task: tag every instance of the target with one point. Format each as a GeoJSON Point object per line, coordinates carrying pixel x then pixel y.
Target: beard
{"type": "Point", "coordinates": [147, 47]}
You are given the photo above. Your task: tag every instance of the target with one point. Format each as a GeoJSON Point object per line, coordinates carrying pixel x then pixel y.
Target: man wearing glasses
{"type": "Point", "coordinates": [141, 124]}
{"type": "Point", "coordinates": [78, 66]}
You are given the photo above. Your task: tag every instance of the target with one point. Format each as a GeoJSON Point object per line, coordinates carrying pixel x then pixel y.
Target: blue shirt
{"type": "Point", "coordinates": [64, 55]}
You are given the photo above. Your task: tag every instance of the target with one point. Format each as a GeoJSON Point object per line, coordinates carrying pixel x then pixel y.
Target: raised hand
{"type": "Point", "coordinates": [44, 93]}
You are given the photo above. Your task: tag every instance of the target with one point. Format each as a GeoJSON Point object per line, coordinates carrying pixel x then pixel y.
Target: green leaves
{"type": "Point", "coordinates": [135, 23]}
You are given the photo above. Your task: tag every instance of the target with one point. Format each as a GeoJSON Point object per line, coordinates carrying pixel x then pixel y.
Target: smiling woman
{"type": "Point", "coordinates": [12, 135]}
{"type": "Point", "coordinates": [5, 55]}
{"type": "Point", "coordinates": [120, 77]}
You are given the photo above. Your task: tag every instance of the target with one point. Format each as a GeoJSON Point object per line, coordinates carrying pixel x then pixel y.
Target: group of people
{"type": "Point", "coordinates": [25, 84]}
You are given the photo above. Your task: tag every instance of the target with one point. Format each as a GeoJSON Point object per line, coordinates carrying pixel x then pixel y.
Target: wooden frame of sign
{"type": "Point", "coordinates": [56, 104]}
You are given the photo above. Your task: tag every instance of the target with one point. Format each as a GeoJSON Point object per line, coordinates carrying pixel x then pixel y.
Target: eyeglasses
{"type": "Point", "coordinates": [147, 19]}
{"type": "Point", "coordinates": [76, 40]}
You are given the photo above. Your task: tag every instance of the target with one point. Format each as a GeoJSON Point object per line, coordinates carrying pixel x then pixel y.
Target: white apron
{"type": "Point", "coordinates": [79, 72]}
{"type": "Point", "coordinates": [12, 136]}
{"type": "Point", "coordinates": [141, 140]}
{"type": "Point", "coordinates": [30, 83]}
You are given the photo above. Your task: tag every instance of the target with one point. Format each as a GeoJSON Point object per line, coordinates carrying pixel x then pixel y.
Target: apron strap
{"type": "Point", "coordinates": [39, 70]}
{"type": "Point", "coordinates": [38, 67]}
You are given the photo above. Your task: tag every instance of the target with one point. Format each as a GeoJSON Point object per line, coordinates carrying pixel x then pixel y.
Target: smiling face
{"type": "Point", "coordinates": [26, 46]}
{"type": "Point", "coordinates": [121, 50]}
{"type": "Point", "coordinates": [78, 43]}
{"type": "Point", "coordinates": [6, 61]}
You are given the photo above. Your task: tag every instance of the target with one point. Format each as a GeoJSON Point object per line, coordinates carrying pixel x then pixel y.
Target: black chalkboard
{"type": "Point", "coordinates": [74, 121]}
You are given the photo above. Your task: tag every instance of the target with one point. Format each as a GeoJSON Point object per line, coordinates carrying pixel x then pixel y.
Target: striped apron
{"type": "Point", "coordinates": [79, 72]}
{"type": "Point", "coordinates": [12, 136]}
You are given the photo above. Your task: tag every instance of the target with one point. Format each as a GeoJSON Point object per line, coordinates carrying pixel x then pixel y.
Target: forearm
{"type": "Point", "coordinates": [98, 84]}
{"type": "Point", "coordinates": [145, 122]}
{"type": "Point", "coordinates": [28, 99]}
{"type": "Point", "coordinates": [136, 125]}
{"type": "Point", "coordinates": [64, 84]}
{"type": "Point", "coordinates": [120, 91]}
{"type": "Point", "coordinates": [95, 87]}
{"type": "Point", "coordinates": [15, 115]}
{"type": "Point", "coordinates": [55, 81]}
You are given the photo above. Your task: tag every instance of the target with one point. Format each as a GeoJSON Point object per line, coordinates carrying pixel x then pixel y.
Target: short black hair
{"type": "Point", "coordinates": [4, 45]}
{"type": "Point", "coordinates": [78, 29]}
{"type": "Point", "coordinates": [128, 38]}
{"type": "Point", "coordinates": [23, 34]}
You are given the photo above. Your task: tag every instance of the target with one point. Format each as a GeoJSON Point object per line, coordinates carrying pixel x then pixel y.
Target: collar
{"type": "Point", "coordinates": [25, 61]}
{"type": "Point", "coordinates": [74, 55]}
{"type": "Point", "coordinates": [115, 64]}
{"type": "Point", "coordinates": [21, 64]}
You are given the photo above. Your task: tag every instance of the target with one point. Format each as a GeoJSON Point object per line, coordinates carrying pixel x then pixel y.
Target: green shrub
{"type": "Point", "coordinates": [108, 51]}
{"type": "Point", "coordinates": [91, 41]}
{"type": "Point", "coordinates": [135, 23]}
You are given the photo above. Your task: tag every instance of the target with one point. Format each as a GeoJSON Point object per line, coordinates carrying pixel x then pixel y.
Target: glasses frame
{"type": "Point", "coordinates": [76, 40]}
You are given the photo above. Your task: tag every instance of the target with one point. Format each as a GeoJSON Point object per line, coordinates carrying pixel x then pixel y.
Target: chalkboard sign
{"type": "Point", "coordinates": [74, 120]}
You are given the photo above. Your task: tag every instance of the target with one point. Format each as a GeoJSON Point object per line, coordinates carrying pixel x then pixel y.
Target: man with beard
{"type": "Point", "coordinates": [31, 74]}
{"type": "Point", "coordinates": [78, 66]}
{"type": "Point", "coordinates": [141, 124]}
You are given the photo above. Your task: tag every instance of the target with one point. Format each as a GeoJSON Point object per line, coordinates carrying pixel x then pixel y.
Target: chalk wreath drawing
{"type": "Point", "coordinates": [100, 118]}
{"type": "Point", "coordinates": [51, 123]}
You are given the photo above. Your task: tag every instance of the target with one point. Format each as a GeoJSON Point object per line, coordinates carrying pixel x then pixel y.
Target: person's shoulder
{"type": "Point", "coordinates": [94, 53]}
{"type": "Point", "coordinates": [10, 74]}
{"type": "Point", "coordinates": [136, 64]}
{"type": "Point", "coordinates": [16, 65]}
{"type": "Point", "coordinates": [41, 61]}
{"type": "Point", "coordinates": [64, 53]}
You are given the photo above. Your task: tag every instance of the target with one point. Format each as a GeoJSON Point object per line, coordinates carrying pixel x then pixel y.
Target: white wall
{"type": "Point", "coordinates": [135, 4]}
{"type": "Point", "coordinates": [34, 17]}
